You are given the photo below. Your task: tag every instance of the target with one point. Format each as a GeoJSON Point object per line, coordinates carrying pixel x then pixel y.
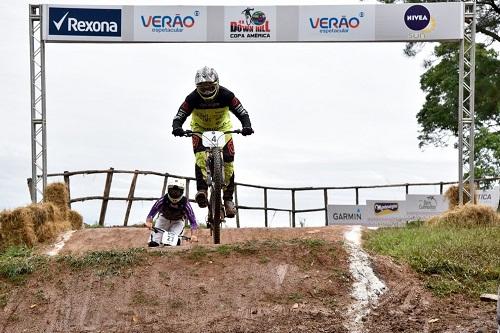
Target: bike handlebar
{"type": "Point", "coordinates": [189, 133]}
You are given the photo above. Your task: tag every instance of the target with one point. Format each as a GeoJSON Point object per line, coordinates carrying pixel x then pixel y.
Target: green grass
{"type": "Point", "coordinates": [107, 262]}
{"type": "Point", "coordinates": [18, 262]}
{"type": "Point", "coordinates": [451, 260]}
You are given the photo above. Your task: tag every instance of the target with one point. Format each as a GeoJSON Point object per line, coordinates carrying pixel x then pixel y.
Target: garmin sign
{"type": "Point", "coordinates": [95, 22]}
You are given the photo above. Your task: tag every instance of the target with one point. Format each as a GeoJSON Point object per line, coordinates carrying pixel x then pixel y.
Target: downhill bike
{"type": "Point", "coordinates": [214, 141]}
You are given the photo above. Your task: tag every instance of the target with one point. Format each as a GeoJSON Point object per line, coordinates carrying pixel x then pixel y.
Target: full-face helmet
{"type": "Point", "coordinates": [207, 82]}
{"type": "Point", "coordinates": [175, 190]}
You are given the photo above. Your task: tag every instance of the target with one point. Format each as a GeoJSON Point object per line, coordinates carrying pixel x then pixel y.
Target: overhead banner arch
{"type": "Point", "coordinates": [334, 23]}
{"type": "Point", "coordinates": [422, 22]}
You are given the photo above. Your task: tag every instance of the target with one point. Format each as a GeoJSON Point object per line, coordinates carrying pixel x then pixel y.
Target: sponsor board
{"type": "Point", "coordinates": [83, 23]}
{"type": "Point", "coordinates": [170, 23]}
{"type": "Point", "coordinates": [385, 212]}
{"type": "Point", "coordinates": [423, 206]}
{"type": "Point", "coordinates": [249, 24]}
{"type": "Point", "coordinates": [337, 23]}
{"type": "Point", "coordinates": [489, 197]}
{"type": "Point", "coordinates": [345, 214]}
{"type": "Point", "coordinates": [420, 22]}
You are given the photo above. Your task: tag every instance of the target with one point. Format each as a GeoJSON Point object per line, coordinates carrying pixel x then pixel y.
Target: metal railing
{"type": "Point", "coordinates": [105, 197]}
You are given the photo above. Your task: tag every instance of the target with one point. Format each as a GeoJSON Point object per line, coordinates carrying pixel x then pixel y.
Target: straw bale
{"type": "Point", "coordinates": [57, 193]}
{"type": "Point", "coordinates": [468, 216]}
{"type": "Point", "coordinates": [452, 194]}
{"type": "Point", "coordinates": [75, 219]}
{"type": "Point", "coordinates": [17, 227]}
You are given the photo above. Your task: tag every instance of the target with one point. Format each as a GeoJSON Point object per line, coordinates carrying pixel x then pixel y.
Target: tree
{"type": "Point", "coordinates": [438, 117]}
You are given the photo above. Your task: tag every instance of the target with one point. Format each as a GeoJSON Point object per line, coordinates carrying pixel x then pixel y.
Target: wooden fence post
{"type": "Point", "coordinates": [105, 199]}
{"type": "Point", "coordinates": [357, 195]}
{"type": "Point", "coordinates": [325, 196]}
{"type": "Point", "coordinates": [66, 181]}
{"type": "Point", "coordinates": [265, 208]}
{"type": "Point", "coordinates": [164, 185]}
{"type": "Point", "coordinates": [187, 188]}
{"type": "Point", "coordinates": [130, 197]}
{"type": "Point", "coordinates": [236, 203]}
{"type": "Point", "coordinates": [293, 208]}
{"type": "Point", "coordinates": [441, 188]}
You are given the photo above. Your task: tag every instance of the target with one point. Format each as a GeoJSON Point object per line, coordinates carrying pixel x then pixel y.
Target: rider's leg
{"type": "Point", "coordinates": [155, 237]}
{"type": "Point", "coordinates": [176, 226]}
{"type": "Point", "coordinates": [200, 171]}
{"type": "Point", "coordinates": [228, 156]}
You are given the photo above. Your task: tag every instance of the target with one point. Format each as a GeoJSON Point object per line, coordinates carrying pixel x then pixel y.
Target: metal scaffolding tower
{"type": "Point", "coordinates": [38, 119]}
{"type": "Point", "coordinates": [466, 88]}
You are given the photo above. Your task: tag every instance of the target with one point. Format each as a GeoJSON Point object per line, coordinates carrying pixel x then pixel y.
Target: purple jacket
{"type": "Point", "coordinates": [164, 205]}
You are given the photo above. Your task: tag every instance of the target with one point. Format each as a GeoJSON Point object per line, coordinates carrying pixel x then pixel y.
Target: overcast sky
{"type": "Point", "coordinates": [324, 114]}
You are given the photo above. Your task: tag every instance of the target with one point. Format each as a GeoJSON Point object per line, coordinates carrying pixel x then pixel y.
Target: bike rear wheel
{"type": "Point", "coordinates": [215, 197]}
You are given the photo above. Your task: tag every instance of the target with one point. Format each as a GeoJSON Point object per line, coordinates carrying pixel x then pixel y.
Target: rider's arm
{"type": "Point", "coordinates": [188, 210]}
{"type": "Point", "coordinates": [154, 210]}
{"type": "Point", "coordinates": [239, 111]}
{"type": "Point", "coordinates": [184, 111]}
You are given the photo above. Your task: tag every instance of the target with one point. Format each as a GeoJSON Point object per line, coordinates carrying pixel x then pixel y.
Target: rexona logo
{"type": "Point", "coordinates": [418, 18]}
{"type": "Point", "coordinates": [335, 25]}
{"type": "Point", "coordinates": [253, 24]}
{"type": "Point", "coordinates": [169, 23]}
{"type": "Point", "coordinates": [384, 208]}
{"type": "Point", "coordinates": [85, 22]}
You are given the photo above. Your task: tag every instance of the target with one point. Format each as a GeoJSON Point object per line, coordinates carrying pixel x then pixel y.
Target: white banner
{"type": "Point", "coordinates": [342, 23]}
{"type": "Point", "coordinates": [170, 23]}
{"type": "Point", "coordinates": [250, 24]}
{"type": "Point", "coordinates": [423, 206]}
{"type": "Point", "coordinates": [489, 197]}
{"type": "Point", "coordinates": [337, 23]}
{"type": "Point", "coordinates": [385, 212]}
{"type": "Point", "coordinates": [345, 214]}
{"type": "Point", "coordinates": [420, 22]}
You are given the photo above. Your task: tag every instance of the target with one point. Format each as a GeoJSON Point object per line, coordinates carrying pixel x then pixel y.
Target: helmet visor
{"type": "Point", "coordinates": [175, 192]}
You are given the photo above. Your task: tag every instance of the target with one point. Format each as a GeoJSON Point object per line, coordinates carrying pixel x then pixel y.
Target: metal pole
{"type": "Point", "coordinates": [38, 106]}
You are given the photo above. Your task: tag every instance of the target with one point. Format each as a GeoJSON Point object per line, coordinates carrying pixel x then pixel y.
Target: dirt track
{"type": "Point", "coordinates": [274, 286]}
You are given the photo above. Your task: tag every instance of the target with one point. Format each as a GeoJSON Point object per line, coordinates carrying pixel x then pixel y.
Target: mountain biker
{"type": "Point", "coordinates": [209, 105]}
{"type": "Point", "coordinates": [174, 208]}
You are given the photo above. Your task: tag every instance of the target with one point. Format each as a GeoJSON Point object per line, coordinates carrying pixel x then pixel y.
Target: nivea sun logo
{"type": "Point", "coordinates": [417, 17]}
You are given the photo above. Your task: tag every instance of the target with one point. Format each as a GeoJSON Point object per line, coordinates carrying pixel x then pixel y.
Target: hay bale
{"type": "Point", "coordinates": [48, 221]}
{"type": "Point", "coordinates": [75, 219]}
{"type": "Point", "coordinates": [452, 194]}
{"type": "Point", "coordinates": [57, 193]}
{"type": "Point", "coordinates": [17, 227]}
{"type": "Point", "coordinates": [467, 216]}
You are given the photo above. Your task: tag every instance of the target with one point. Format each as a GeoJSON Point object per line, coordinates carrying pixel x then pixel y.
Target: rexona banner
{"type": "Point", "coordinates": [252, 23]}
{"type": "Point", "coordinates": [82, 23]}
{"type": "Point", "coordinates": [169, 23]}
{"type": "Point", "coordinates": [438, 21]}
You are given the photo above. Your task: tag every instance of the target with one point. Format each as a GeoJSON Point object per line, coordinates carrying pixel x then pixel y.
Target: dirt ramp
{"type": "Point", "coordinates": [100, 239]}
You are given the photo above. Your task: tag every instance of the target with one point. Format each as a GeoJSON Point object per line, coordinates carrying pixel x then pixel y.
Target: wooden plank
{"type": "Point", "coordinates": [265, 208]}
{"type": "Point", "coordinates": [130, 198]}
{"type": "Point", "coordinates": [325, 197]}
{"type": "Point", "coordinates": [66, 181]}
{"type": "Point", "coordinates": [237, 206]}
{"type": "Point", "coordinates": [107, 189]}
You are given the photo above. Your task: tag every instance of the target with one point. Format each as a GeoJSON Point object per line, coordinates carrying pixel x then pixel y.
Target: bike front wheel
{"type": "Point", "coordinates": [215, 197]}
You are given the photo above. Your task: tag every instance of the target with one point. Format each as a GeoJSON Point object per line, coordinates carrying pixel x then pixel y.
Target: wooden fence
{"type": "Point", "coordinates": [105, 197]}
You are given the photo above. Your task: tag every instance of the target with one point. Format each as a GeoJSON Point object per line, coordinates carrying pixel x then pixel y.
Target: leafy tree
{"type": "Point", "coordinates": [438, 117]}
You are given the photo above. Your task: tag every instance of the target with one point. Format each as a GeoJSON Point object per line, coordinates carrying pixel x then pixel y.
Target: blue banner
{"type": "Point", "coordinates": [85, 22]}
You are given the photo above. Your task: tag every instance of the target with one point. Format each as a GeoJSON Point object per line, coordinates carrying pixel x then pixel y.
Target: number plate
{"type": "Point", "coordinates": [169, 238]}
{"type": "Point", "coordinates": [213, 139]}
